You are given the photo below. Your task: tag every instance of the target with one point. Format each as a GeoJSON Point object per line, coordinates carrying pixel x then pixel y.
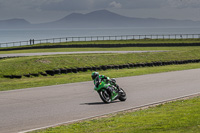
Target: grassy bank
{"type": "Point", "coordinates": [100, 49]}
{"type": "Point", "coordinates": [181, 116]}
{"type": "Point", "coordinates": [12, 84]}
{"type": "Point", "coordinates": [36, 64]}
{"type": "Point", "coordinates": [176, 117]}
{"type": "Point", "coordinates": [92, 49]}
{"type": "Point", "coordinates": [133, 41]}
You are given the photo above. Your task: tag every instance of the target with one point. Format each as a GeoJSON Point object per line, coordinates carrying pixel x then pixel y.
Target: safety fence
{"type": "Point", "coordinates": [100, 38]}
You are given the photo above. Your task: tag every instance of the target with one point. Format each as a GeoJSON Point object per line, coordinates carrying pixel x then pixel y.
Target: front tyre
{"type": "Point", "coordinates": [122, 94]}
{"type": "Point", "coordinates": [105, 96]}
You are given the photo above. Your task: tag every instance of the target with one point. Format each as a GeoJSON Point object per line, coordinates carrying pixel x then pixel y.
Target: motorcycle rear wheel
{"type": "Point", "coordinates": [105, 96]}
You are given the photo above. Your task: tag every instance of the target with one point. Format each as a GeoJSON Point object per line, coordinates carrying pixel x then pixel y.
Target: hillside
{"type": "Point", "coordinates": [104, 18]}
{"type": "Point", "coordinates": [14, 23]}
{"type": "Point", "coordinates": [99, 19]}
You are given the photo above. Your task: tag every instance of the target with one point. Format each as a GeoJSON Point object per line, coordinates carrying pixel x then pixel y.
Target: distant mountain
{"type": "Point", "coordinates": [104, 18]}
{"type": "Point", "coordinates": [14, 23]}
{"type": "Point", "coordinates": [101, 19]}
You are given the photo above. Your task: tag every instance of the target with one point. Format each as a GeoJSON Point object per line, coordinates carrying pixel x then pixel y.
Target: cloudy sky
{"type": "Point", "coordinates": [37, 11]}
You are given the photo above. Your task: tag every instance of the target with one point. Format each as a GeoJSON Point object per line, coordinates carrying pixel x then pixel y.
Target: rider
{"type": "Point", "coordinates": [111, 81]}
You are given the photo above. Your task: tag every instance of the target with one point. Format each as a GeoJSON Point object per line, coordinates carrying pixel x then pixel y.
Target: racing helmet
{"type": "Point", "coordinates": [94, 75]}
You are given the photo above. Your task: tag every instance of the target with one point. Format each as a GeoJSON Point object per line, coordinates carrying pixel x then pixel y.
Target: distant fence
{"type": "Point", "coordinates": [100, 38]}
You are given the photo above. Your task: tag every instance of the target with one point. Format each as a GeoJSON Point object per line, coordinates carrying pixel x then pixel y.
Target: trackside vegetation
{"type": "Point", "coordinates": [181, 116]}
{"type": "Point", "coordinates": [37, 64]}
{"type": "Point", "coordinates": [12, 84]}
{"type": "Point", "coordinates": [112, 43]}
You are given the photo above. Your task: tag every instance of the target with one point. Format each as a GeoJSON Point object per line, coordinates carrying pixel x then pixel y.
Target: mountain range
{"type": "Point", "coordinates": [99, 19]}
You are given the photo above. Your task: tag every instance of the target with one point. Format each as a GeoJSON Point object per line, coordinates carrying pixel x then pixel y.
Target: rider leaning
{"type": "Point", "coordinates": [111, 81]}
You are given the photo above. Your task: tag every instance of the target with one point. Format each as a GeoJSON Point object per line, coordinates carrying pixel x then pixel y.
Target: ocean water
{"type": "Point", "coordinates": [37, 34]}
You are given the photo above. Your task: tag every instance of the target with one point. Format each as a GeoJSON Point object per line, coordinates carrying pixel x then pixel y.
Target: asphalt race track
{"type": "Point", "coordinates": [80, 52]}
{"type": "Point", "coordinates": [32, 108]}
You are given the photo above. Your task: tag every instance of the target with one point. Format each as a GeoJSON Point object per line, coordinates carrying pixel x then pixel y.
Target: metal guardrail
{"type": "Point", "coordinates": [100, 38]}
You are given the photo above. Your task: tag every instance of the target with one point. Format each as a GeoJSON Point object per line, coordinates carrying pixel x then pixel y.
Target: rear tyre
{"type": "Point", "coordinates": [122, 96]}
{"type": "Point", "coordinates": [105, 96]}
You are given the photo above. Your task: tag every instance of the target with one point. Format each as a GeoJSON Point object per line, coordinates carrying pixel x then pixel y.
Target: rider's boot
{"type": "Point", "coordinates": [117, 86]}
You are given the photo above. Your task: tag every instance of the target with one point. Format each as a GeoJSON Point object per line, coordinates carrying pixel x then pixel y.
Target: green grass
{"type": "Point", "coordinates": [90, 49]}
{"type": "Point", "coordinates": [35, 64]}
{"type": "Point", "coordinates": [98, 49]}
{"type": "Point", "coordinates": [136, 41]}
{"type": "Point", "coordinates": [182, 116]}
{"type": "Point", "coordinates": [12, 84]}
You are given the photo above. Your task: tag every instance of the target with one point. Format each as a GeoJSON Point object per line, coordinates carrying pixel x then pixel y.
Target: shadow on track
{"type": "Point", "coordinates": [99, 103]}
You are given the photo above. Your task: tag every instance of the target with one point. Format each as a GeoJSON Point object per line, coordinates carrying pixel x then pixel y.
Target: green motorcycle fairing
{"type": "Point", "coordinates": [101, 85]}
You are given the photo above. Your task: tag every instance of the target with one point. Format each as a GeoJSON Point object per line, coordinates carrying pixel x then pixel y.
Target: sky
{"type": "Point", "coordinates": [39, 11]}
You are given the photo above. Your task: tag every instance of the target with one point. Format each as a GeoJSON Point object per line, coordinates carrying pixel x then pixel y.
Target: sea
{"type": "Point", "coordinates": [15, 35]}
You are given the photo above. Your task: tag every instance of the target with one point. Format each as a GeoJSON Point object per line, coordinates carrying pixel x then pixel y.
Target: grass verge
{"type": "Point", "coordinates": [12, 84]}
{"type": "Point", "coordinates": [99, 49]}
{"type": "Point", "coordinates": [181, 116]}
{"type": "Point", "coordinates": [133, 41]}
{"type": "Point", "coordinates": [91, 49]}
{"type": "Point", "coordinates": [36, 64]}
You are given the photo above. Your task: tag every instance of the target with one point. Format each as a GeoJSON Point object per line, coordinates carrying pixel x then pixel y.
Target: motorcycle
{"type": "Point", "coordinates": [107, 91]}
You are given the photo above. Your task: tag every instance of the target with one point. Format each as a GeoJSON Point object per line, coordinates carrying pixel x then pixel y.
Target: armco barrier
{"type": "Point", "coordinates": [57, 71]}
{"type": "Point", "coordinates": [43, 74]}
{"type": "Point", "coordinates": [105, 67]}
{"type": "Point", "coordinates": [50, 72]}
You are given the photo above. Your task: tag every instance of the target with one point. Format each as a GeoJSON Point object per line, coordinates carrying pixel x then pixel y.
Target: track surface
{"type": "Point", "coordinates": [32, 108]}
{"type": "Point", "coordinates": [81, 52]}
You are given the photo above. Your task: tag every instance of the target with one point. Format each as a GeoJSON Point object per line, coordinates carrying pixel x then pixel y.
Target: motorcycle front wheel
{"type": "Point", "coordinates": [105, 96]}
{"type": "Point", "coordinates": [122, 96]}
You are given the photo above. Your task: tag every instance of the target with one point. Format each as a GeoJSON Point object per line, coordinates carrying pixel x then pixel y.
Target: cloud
{"type": "Point", "coordinates": [142, 4]}
{"type": "Point", "coordinates": [46, 10]}
{"type": "Point", "coordinates": [69, 5]}
{"type": "Point", "coordinates": [47, 5]}
{"type": "Point", "coordinates": [115, 4]}
{"type": "Point", "coordinates": [76, 5]}
{"type": "Point", "coordinates": [184, 3]}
